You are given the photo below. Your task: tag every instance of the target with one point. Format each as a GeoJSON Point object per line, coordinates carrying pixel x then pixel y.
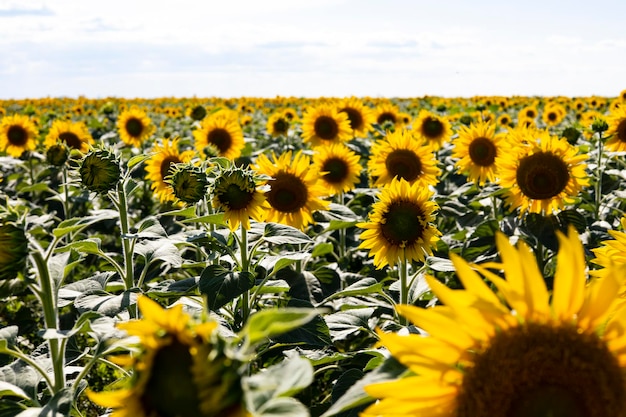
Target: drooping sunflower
{"type": "Point", "coordinates": [477, 147]}
{"type": "Point", "coordinates": [400, 154]}
{"type": "Point", "coordinates": [522, 351]}
{"type": "Point", "coordinates": [325, 124]}
{"type": "Point", "coordinates": [295, 188]}
{"type": "Point", "coordinates": [617, 130]}
{"type": "Point", "coordinates": [339, 166]}
{"type": "Point", "coordinates": [278, 124]}
{"type": "Point", "coordinates": [236, 192]}
{"type": "Point", "coordinates": [543, 174]}
{"type": "Point", "coordinates": [612, 252]}
{"type": "Point", "coordinates": [359, 115]}
{"type": "Point", "coordinates": [158, 167]}
{"type": "Point", "coordinates": [433, 129]}
{"type": "Point", "coordinates": [400, 226]}
{"type": "Point", "coordinates": [180, 370]}
{"type": "Point", "coordinates": [220, 131]}
{"type": "Point", "coordinates": [17, 134]}
{"type": "Point", "coordinates": [134, 126]}
{"type": "Point", "coordinates": [74, 134]}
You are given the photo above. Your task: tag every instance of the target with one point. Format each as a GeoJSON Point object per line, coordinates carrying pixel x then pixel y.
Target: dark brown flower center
{"type": "Point", "coordinates": [552, 116]}
{"type": "Point", "coordinates": [17, 135]}
{"type": "Point", "coordinates": [336, 169]}
{"type": "Point", "coordinates": [403, 163]}
{"type": "Point", "coordinates": [281, 126]}
{"type": "Point", "coordinates": [621, 131]}
{"type": "Point", "coordinates": [386, 117]}
{"type": "Point", "coordinates": [432, 128]}
{"type": "Point", "coordinates": [326, 128]}
{"type": "Point", "coordinates": [235, 198]}
{"type": "Point", "coordinates": [538, 370]}
{"type": "Point", "coordinates": [221, 139]}
{"type": "Point", "coordinates": [531, 113]}
{"type": "Point", "coordinates": [134, 127]}
{"type": "Point", "coordinates": [288, 193]}
{"type": "Point", "coordinates": [403, 223]}
{"type": "Point", "coordinates": [482, 152]}
{"type": "Point", "coordinates": [355, 117]}
{"type": "Point", "coordinates": [167, 163]}
{"type": "Point", "coordinates": [542, 175]}
{"type": "Point", "coordinates": [71, 140]}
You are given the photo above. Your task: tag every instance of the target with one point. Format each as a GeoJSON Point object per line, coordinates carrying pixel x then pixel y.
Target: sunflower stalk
{"type": "Point", "coordinates": [245, 267]}
{"type": "Point", "coordinates": [599, 172]}
{"type": "Point", "coordinates": [404, 288]}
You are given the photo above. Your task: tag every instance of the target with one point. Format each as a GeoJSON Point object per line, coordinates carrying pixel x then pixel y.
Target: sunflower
{"type": "Point", "coordinates": [528, 112]}
{"type": "Point", "coordinates": [278, 124]}
{"type": "Point", "coordinates": [134, 126]}
{"type": "Point", "coordinates": [180, 370]}
{"type": "Point", "coordinates": [158, 167]}
{"type": "Point", "coordinates": [339, 167]}
{"type": "Point", "coordinates": [74, 134]}
{"type": "Point", "coordinates": [477, 147]}
{"type": "Point", "coordinates": [236, 192]}
{"type": "Point", "coordinates": [359, 115]}
{"type": "Point", "coordinates": [518, 352]}
{"type": "Point", "coordinates": [400, 226]}
{"type": "Point", "coordinates": [295, 188]}
{"type": "Point", "coordinates": [387, 115]}
{"type": "Point", "coordinates": [400, 155]}
{"type": "Point", "coordinates": [622, 96]}
{"type": "Point", "coordinates": [611, 252]}
{"type": "Point", "coordinates": [617, 130]}
{"type": "Point", "coordinates": [220, 131]}
{"type": "Point", "coordinates": [432, 129]}
{"type": "Point", "coordinates": [542, 174]}
{"type": "Point", "coordinates": [324, 124]}
{"type": "Point", "coordinates": [17, 135]}
{"type": "Point", "coordinates": [504, 120]}
{"type": "Point", "coordinates": [553, 114]}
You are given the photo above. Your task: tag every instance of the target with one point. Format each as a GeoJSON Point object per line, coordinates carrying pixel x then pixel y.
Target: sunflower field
{"type": "Point", "coordinates": [355, 256]}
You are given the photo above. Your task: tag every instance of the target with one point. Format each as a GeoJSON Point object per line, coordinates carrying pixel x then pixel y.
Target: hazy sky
{"type": "Point", "coordinates": [236, 48]}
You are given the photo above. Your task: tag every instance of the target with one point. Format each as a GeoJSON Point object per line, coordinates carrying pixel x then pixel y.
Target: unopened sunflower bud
{"type": "Point", "coordinates": [13, 250]}
{"type": "Point", "coordinates": [599, 125]}
{"type": "Point", "coordinates": [190, 183]}
{"type": "Point", "coordinates": [57, 154]}
{"type": "Point", "coordinates": [571, 134]}
{"type": "Point", "coordinates": [100, 171]}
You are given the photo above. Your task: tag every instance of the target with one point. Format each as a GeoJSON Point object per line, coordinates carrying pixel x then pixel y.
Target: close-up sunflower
{"type": "Point", "coordinates": [518, 350]}
{"type": "Point", "coordinates": [158, 167]}
{"type": "Point", "coordinates": [360, 116]}
{"type": "Point", "coordinates": [74, 135]}
{"type": "Point", "coordinates": [295, 189]}
{"type": "Point", "coordinates": [400, 225]}
{"type": "Point", "coordinates": [399, 154]}
{"type": "Point", "coordinates": [179, 370]}
{"type": "Point", "coordinates": [325, 124]}
{"type": "Point", "coordinates": [134, 126]}
{"type": "Point", "coordinates": [543, 174]}
{"type": "Point", "coordinates": [617, 130]}
{"type": "Point", "coordinates": [339, 167]}
{"type": "Point", "coordinates": [476, 148]}
{"type": "Point", "coordinates": [236, 192]}
{"type": "Point", "coordinates": [18, 134]}
{"type": "Point", "coordinates": [432, 129]}
{"type": "Point", "coordinates": [222, 132]}
{"type": "Point", "coordinates": [611, 252]}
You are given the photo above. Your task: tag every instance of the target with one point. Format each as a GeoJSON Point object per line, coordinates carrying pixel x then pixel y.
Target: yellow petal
{"type": "Point", "coordinates": [569, 278]}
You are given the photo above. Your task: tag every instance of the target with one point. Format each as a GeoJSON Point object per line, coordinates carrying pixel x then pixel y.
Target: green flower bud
{"type": "Point", "coordinates": [57, 154]}
{"type": "Point", "coordinates": [571, 134]}
{"type": "Point", "coordinates": [466, 119]}
{"type": "Point", "coordinates": [100, 171]}
{"type": "Point", "coordinates": [599, 126]}
{"type": "Point", "coordinates": [198, 112]}
{"type": "Point", "coordinates": [189, 183]}
{"type": "Point", "coordinates": [13, 250]}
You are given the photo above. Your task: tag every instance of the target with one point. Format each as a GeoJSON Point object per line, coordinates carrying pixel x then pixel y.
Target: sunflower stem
{"type": "Point", "coordinates": [404, 290]}
{"type": "Point", "coordinates": [127, 247]}
{"type": "Point", "coordinates": [599, 172]}
{"type": "Point", "coordinates": [245, 266]}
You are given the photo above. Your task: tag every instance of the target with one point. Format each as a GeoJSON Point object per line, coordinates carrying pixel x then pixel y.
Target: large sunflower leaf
{"type": "Point", "coordinates": [221, 285]}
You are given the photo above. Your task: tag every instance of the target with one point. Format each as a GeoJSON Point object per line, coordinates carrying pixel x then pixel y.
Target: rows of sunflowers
{"type": "Point", "coordinates": [313, 257]}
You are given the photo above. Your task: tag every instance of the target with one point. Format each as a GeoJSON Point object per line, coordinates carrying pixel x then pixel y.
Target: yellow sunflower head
{"type": "Point", "coordinates": [219, 131]}
{"type": "Point", "coordinates": [339, 167]}
{"type": "Point", "coordinates": [180, 370]}
{"type": "Point", "coordinates": [518, 350]}
{"type": "Point", "coordinates": [158, 167]}
{"type": "Point", "coordinates": [18, 134]}
{"type": "Point", "coordinates": [387, 115]}
{"type": "Point", "coordinates": [278, 124]}
{"type": "Point", "coordinates": [617, 130]}
{"type": "Point", "coordinates": [400, 155]}
{"type": "Point", "coordinates": [553, 114]}
{"type": "Point", "coordinates": [611, 252]}
{"type": "Point", "coordinates": [528, 112]}
{"type": "Point", "coordinates": [400, 225]}
{"type": "Point", "coordinates": [236, 192]}
{"type": "Point", "coordinates": [75, 135]}
{"type": "Point", "coordinates": [359, 115]}
{"type": "Point", "coordinates": [295, 189]}
{"type": "Point", "coordinates": [543, 174]}
{"type": "Point", "coordinates": [134, 126]}
{"type": "Point", "coordinates": [325, 124]}
{"type": "Point", "coordinates": [432, 129]}
{"type": "Point", "coordinates": [476, 148]}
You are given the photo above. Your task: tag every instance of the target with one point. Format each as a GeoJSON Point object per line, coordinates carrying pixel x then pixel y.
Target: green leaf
{"type": "Point", "coordinates": [281, 234]}
{"type": "Point", "coordinates": [340, 224]}
{"type": "Point", "coordinates": [282, 407]}
{"type": "Point", "coordinates": [440, 264]}
{"type": "Point", "coordinates": [159, 250]}
{"type": "Point", "coordinates": [322, 249]}
{"type": "Point", "coordinates": [105, 303]}
{"type": "Point", "coordinates": [347, 323]}
{"type": "Point", "coordinates": [216, 219]}
{"type": "Point", "coordinates": [137, 159]}
{"type": "Point", "coordinates": [79, 223]}
{"type": "Point", "coordinates": [89, 246]}
{"type": "Point", "coordinates": [266, 324]}
{"type": "Point", "coordinates": [221, 285]}
{"type": "Point", "coordinates": [8, 335]}
{"type": "Point", "coordinates": [184, 212]}
{"type": "Point", "coordinates": [364, 286]}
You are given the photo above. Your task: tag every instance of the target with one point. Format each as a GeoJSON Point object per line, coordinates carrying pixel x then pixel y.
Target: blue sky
{"type": "Point", "coordinates": [234, 48]}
